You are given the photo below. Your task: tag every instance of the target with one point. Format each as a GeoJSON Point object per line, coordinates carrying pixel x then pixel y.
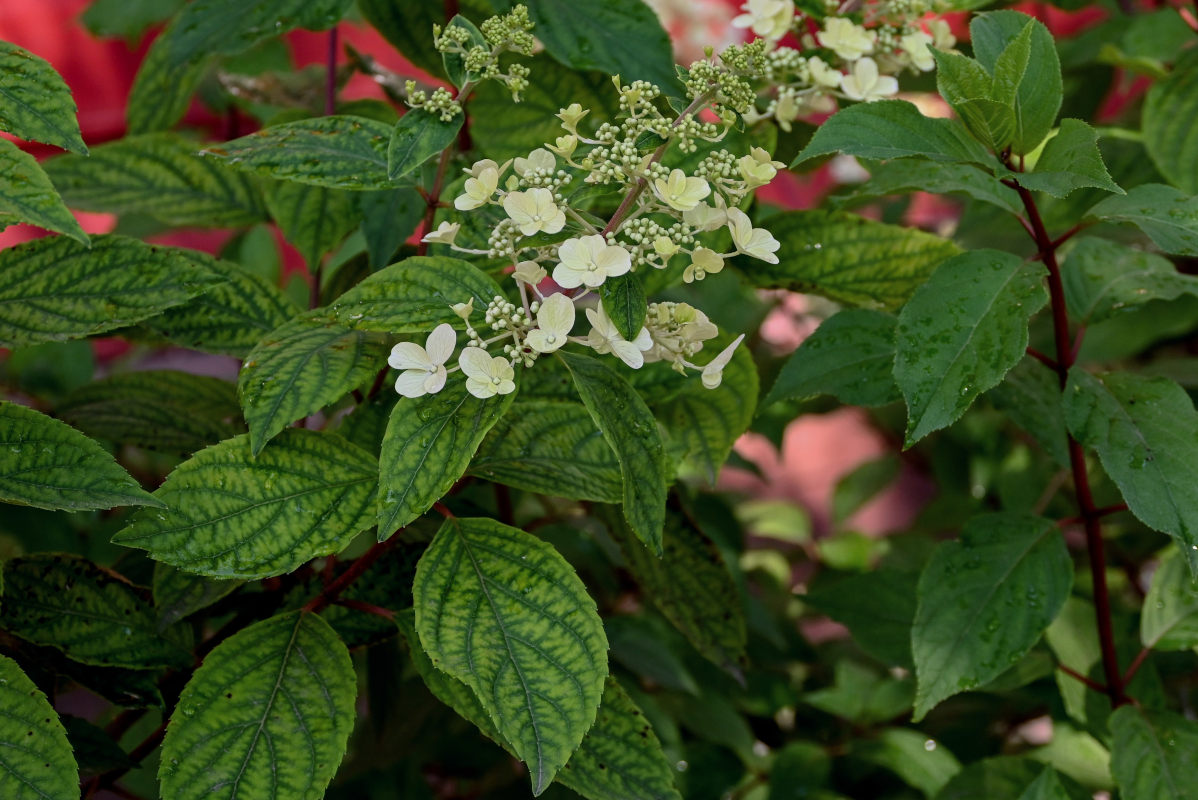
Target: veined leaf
{"type": "Point", "coordinates": [984, 601]}
{"type": "Point", "coordinates": [338, 152]}
{"type": "Point", "coordinates": [428, 446]}
{"type": "Point", "coordinates": [631, 431]}
{"type": "Point", "coordinates": [179, 594]}
{"type": "Point", "coordinates": [312, 218]}
{"type": "Point", "coordinates": [1031, 398]}
{"type": "Point", "coordinates": [502, 611]}
{"type": "Point", "coordinates": [1169, 108]}
{"type": "Point", "coordinates": [48, 464]}
{"type": "Point", "coordinates": [1155, 754]}
{"type": "Point", "coordinates": [268, 713]}
{"type": "Point", "coordinates": [944, 361]}
{"type": "Point", "coordinates": [1169, 217]}
{"type": "Point", "coordinates": [1145, 432]}
{"type": "Point", "coordinates": [877, 607]}
{"type": "Point", "coordinates": [910, 175]}
{"type": "Point", "coordinates": [38, 760]}
{"type": "Point", "coordinates": [35, 103]}
{"type": "Point", "coordinates": [970, 90]}
{"type": "Point", "coordinates": [56, 288]}
{"type": "Point", "coordinates": [1104, 278]}
{"type": "Point", "coordinates": [409, 27]}
{"type": "Point", "coordinates": [1070, 161]}
{"type": "Point", "coordinates": [418, 136]}
{"type": "Point", "coordinates": [388, 218]}
{"type": "Point", "coordinates": [232, 514]}
{"type": "Point", "coordinates": [300, 368]}
{"type": "Point", "coordinates": [92, 615]}
{"type": "Point", "coordinates": [625, 303]}
{"type": "Point", "coordinates": [847, 258]}
{"type": "Point", "coordinates": [1169, 619]}
{"type": "Point", "coordinates": [26, 194]}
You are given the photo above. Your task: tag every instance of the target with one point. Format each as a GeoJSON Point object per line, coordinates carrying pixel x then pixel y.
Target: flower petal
{"type": "Point", "coordinates": [409, 355]}
{"type": "Point", "coordinates": [476, 364]}
{"type": "Point", "coordinates": [411, 383]}
{"type": "Point", "coordinates": [440, 343]}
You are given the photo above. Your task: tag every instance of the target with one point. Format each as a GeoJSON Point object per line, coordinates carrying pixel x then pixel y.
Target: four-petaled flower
{"type": "Point", "coordinates": [915, 45]}
{"type": "Point", "coordinates": [534, 211]}
{"type": "Point", "coordinates": [529, 272]}
{"type": "Point", "coordinates": [539, 159]}
{"type": "Point", "coordinates": [605, 338]}
{"type": "Point", "coordinates": [846, 39]}
{"type": "Point", "coordinates": [822, 74]}
{"type": "Point", "coordinates": [769, 19]}
{"type": "Point", "coordinates": [423, 367]}
{"type": "Point", "coordinates": [680, 192]}
{"type": "Point", "coordinates": [704, 262]}
{"type": "Point", "coordinates": [554, 321]}
{"type": "Point", "coordinates": [478, 190]}
{"type": "Point", "coordinates": [445, 233]}
{"type": "Point", "coordinates": [713, 373]}
{"type": "Point", "coordinates": [589, 261]}
{"type": "Point", "coordinates": [486, 375]}
{"type": "Point", "coordinates": [756, 242]}
{"type": "Point", "coordinates": [864, 82]}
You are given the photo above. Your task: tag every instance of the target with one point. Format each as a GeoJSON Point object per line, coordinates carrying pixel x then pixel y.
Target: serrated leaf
{"type": "Point", "coordinates": [35, 103]}
{"type": "Point", "coordinates": [1030, 396]}
{"type": "Point", "coordinates": [849, 259]}
{"type": "Point", "coordinates": [970, 90]}
{"type": "Point", "coordinates": [1145, 432]}
{"type": "Point", "coordinates": [624, 301]}
{"type": "Point", "coordinates": [387, 583]}
{"type": "Point", "coordinates": [268, 713]}
{"type": "Point", "coordinates": [428, 445]}
{"type": "Point", "coordinates": [1170, 106]}
{"type": "Point", "coordinates": [878, 608]}
{"type": "Point", "coordinates": [418, 136]}
{"type": "Point", "coordinates": [502, 611]}
{"type": "Point", "coordinates": [1169, 619]}
{"type": "Point", "coordinates": [26, 195]}
{"type": "Point", "coordinates": [553, 448]}
{"type": "Point", "coordinates": [850, 356]}
{"type": "Point", "coordinates": [905, 752]}
{"type": "Point", "coordinates": [312, 218]}
{"type": "Point", "coordinates": [630, 430]}
{"type": "Point", "coordinates": [298, 369]}
{"type": "Point", "coordinates": [1103, 278]}
{"type": "Point", "coordinates": [179, 594]}
{"type": "Point", "coordinates": [910, 175]}
{"type": "Point", "coordinates": [1070, 161]}
{"type": "Point", "coordinates": [164, 410]}
{"type": "Point", "coordinates": [1169, 217]}
{"type": "Point", "coordinates": [388, 218]}
{"type": "Point", "coordinates": [944, 361]}
{"type": "Point", "coordinates": [984, 601]}
{"type": "Point", "coordinates": [48, 464]}
{"type": "Point", "coordinates": [1154, 755]}
{"type": "Point", "coordinates": [38, 759]}
{"type": "Point", "coordinates": [231, 514]}
{"type": "Point", "coordinates": [89, 613]}
{"type": "Point", "coordinates": [55, 288]}
{"type": "Point", "coordinates": [1039, 92]}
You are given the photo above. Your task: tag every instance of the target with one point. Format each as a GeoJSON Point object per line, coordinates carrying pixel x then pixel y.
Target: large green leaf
{"type": "Point", "coordinates": [26, 195]}
{"type": "Point", "coordinates": [418, 136]}
{"type": "Point", "coordinates": [300, 368]}
{"type": "Point", "coordinates": [1070, 161]}
{"type": "Point", "coordinates": [1169, 620]}
{"type": "Point", "coordinates": [165, 410]}
{"type": "Point", "coordinates": [1154, 755]}
{"type": "Point", "coordinates": [984, 601]}
{"type": "Point", "coordinates": [631, 431]}
{"type": "Point", "coordinates": [408, 26]}
{"type": "Point", "coordinates": [1169, 135]}
{"type": "Point", "coordinates": [340, 152]}
{"type": "Point", "coordinates": [89, 613]}
{"type": "Point", "coordinates": [55, 288]}
{"type": "Point", "coordinates": [906, 753]}
{"type": "Point", "coordinates": [35, 103]}
{"type": "Point", "coordinates": [1168, 216]}
{"type": "Point", "coordinates": [127, 18]}
{"type": "Point", "coordinates": [961, 333]}
{"type": "Point", "coordinates": [1145, 432]}
{"type": "Point", "coordinates": [502, 611]}
{"type": "Point", "coordinates": [48, 464]}
{"type": "Point", "coordinates": [267, 714]}
{"type": "Point", "coordinates": [1038, 90]}
{"type": "Point", "coordinates": [917, 175]}
{"type": "Point", "coordinates": [388, 218]}
{"type": "Point", "coordinates": [428, 446]}
{"type": "Point", "coordinates": [877, 607]}
{"type": "Point", "coordinates": [550, 447]}
{"type": "Point", "coordinates": [850, 356]}
{"type": "Point", "coordinates": [1103, 279]}
{"type": "Point", "coordinates": [179, 594]}
{"type": "Point", "coordinates": [235, 515]}
{"type": "Point", "coordinates": [38, 761]}
{"type": "Point", "coordinates": [1005, 776]}
{"type": "Point", "coordinates": [847, 258]}
{"type": "Point", "coordinates": [312, 218]}
{"type": "Point", "coordinates": [987, 111]}
{"type": "Point", "coordinates": [1030, 396]}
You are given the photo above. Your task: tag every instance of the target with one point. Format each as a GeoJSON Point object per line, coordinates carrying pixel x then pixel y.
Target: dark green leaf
{"type": "Point", "coordinates": [1103, 279]}
{"type": "Point", "coordinates": [907, 175]}
{"type": "Point", "coordinates": [35, 103]}
{"type": "Point", "coordinates": [1169, 109]}
{"type": "Point", "coordinates": [94, 749]}
{"type": "Point", "coordinates": [906, 753]}
{"type": "Point", "coordinates": [455, 63]}
{"type": "Point", "coordinates": [1070, 161]}
{"type": "Point", "coordinates": [970, 90]}
{"type": "Point", "coordinates": [1169, 620]}
{"type": "Point", "coordinates": [1031, 397]}
{"type": "Point", "coordinates": [312, 218]}
{"type": "Point", "coordinates": [388, 218]}
{"type": "Point", "coordinates": [862, 485]}
{"type": "Point", "coordinates": [127, 19]}
{"type": "Point", "coordinates": [26, 195]}
{"type": "Point", "coordinates": [179, 594]}
{"type": "Point", "coordinates": [1154, 755]}
{"type": "Point", "coordinates": [38, 759]}
{"type": "Point", "coordinates": [1039, 92]}
{"type": "Point", "coordinates": [1003, 776]}
{"type": "Point", "coordinates": [1169, 217]}
{"type": "Point", "coordinates": [418, 136]}
{"type": "Point", "coordinates": [625, 304]}
{"type": "Point", "coordinates": [878, 608]}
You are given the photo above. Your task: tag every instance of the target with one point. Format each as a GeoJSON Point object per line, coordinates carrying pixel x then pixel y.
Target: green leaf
{"type": "Point", "coordinates": [94, 749]}
{"type": "Point", "coordinates": [550, 447]}
{"type": "Point", "coordinates": [850, 356]}
{"type": "Point", "coordinates": [1046, 787]}
{"type": "Point", "coordinates": [163, 410]}
{"type": "Point", "coordinates": [388, 218]}
{"type": "Point", "coordinates": [92, 615]}
{"type": "Point", "coordinates": [878, 608]}
{"type": "Point", "coordinates": [1039, 92]}
{"type": "Point", "coordinates": [943, 361]}
{"type": "Point", "coordinates": [893, 129]}
{"type": "Point", "coordinates": [906, 753]}
{"type": "Point", "coordinates": [1145, 432]}
{"type": "Point", "coordinates": [909, 175]}
{"type": "Point", "coordinates": [409, 26]}
{"type": "Point", "coordinates": [1003, 776]}
{"type": "Point", "coordinates": [55, 288]}
{"type": "Point", "coordinates": [847, 258]}
{"type": "Point", "coordinates": [970, 90]}
{"type": "Point", "coordinates": [35, 103]}
{"type": "Point", "coordinates": [428, 445]}
{"type": "Point", "coordinates": [48, 464]}
{"type": "Point", "coordinates": [1169, 136]}
{"type": "Point", "coordinates": [1030, 396]}
{"type": "Point", "coordinates": [984, 601]}
{"type": "Point", "coordinates": [418, 136]}
{"type": "Point", "coordinates": [455, 63]}
{"type": "Point", "coordinates": [312, 218]}
{"type": "Point", "coordinates": [233, 515]}
{"type": "Point", "coordinates": [630, 430]}
{"type": "Point", "coordinates": [1103, 279]}
{"type": "Point", "coordinates": [1169, 217]}
{"type": "Point", "coordinates": [501, 611]}
{"type": "Point", "coordinates": [38, 759]}
{"type": "Point", "coordinates": [625, 304]}
{"type": "Point", "coordinates": [863, 484]}
{"type": "Point", "coordinates": [1169, 619]}
{"type": "Point", "coordinates": [26, 195]}
{"type": "Point", "coordinates": [1154, 755]}
{"type": "Point", "coordinates": [127, 19]}
{"type": "Point", "coordinates": [1070, 161]}
{"type": "Point", "coordinates": [298, 369]}
{"type": "Point", "coordinates": [161, 93]}
{"type": "Point", "coordinates": [179, 594]}
{"type": "Point", "coordinates": [268, 713]}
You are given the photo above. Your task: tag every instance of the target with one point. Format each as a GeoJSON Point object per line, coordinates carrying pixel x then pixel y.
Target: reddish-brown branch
{"type": "Point", "coordinates": [443, 511]}
{"type": "Point", "coordinates": [1043, 359]}
{"type": "Point", "coordinates": [1135, 665]}
{"type": "Point", "coordinates": [346, 579]}
{"type": "Point", "coordinates": [368, 608]}
{"type": "Point", "coordinates": [1072, 673]}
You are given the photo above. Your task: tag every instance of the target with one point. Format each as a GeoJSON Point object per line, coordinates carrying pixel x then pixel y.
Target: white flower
{"type": "Point", "coordinates": [589, 261]}
{"type": "Point", "coordinates": [756, 242]}
{"type": "Point", "coordinates": [604, 338]}
{"type": "Point", "coordinates": [787, 108]}
{"type": "Point", "coordinates": [864, 82]}
{"type": "Point", "coordinates": [665, 247]}
{"type": "Point", "coordinates": [571, 116]}
{"type": "Point", "coordinates": [486, 376]}
{"type": "Point", "coordinates": [847, 40]}
{"type": "Point", "coordinates": [713, 373]}
{"type": "Point", "coordinates": [706, 218]}
{"type": "Point", "coordinates": [554, 321]}
{"type": "Point", "coordinates": [769, 19]}
{"type": "Point", "coordinates": [445, 233]}
{"type": "Point", "coordinates": [564, 146]}
{"type": "Point", "coordinates": [423, 367]}
{"type": "Point", "coordinates": [534, 211]}
{"type": "Point", "coordinates": [539, 159]}
{"type": "Point", "coordinates": [680, 192]}
{"type": "Point", "coordinates": [916, 46]}
{"type": "Point", "coordinates": [529, 272]}
{"type": "Point", "coordinates": [755, 173]}
{"type": "Point", "coordinates": [478, 190]}
{"type": "Point", "coordinates": [464, 310]}
{"type": "Point", "coordinates": [704, 262]}
{"type": "Point", "coordinates": [822, 74]}
{"type": "Point", "coordinates": [942, 34]}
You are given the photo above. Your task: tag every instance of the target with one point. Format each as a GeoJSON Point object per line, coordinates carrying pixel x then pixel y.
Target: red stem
{"type": "Point", "coordinates": [368, 608]}
{"type": "Point", "coordinates": [355, 571]}
{"type": "Point", "coordinates": [1072, 673]}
